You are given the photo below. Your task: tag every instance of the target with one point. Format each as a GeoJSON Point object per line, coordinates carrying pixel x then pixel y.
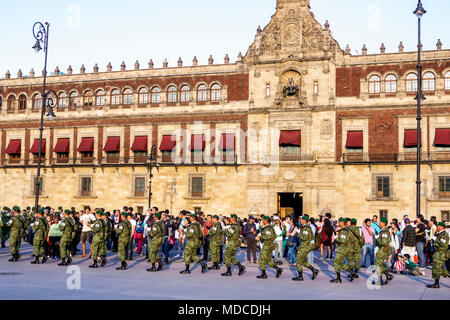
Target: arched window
{"type": "Point", "coordinates": [1, 102]}
{"type": "Point", "coordinates": [73, 99]}
{"type": "Point", "coordinates": [374, 84]}
{"type": "Point", "coordinates": [100, 98]}
{"type": "Point", "coordinates": [391, 84]}
{"type": "Point", "coordinates": [143, 96]}
{"type": "Point", "coordinates": [172, 94]}
{"type": "Point", "coordinates": [202, 93]}
{"type": "Point", "coordinates": [88, 99]}
{"type": "Point", "coordinates": [37, 101]}
{"type": "Point", "coordinates": [447, 81]}
{"type": "Point", "coordinates": [185, 94]}
{"type": "Point", "coordinates": [11, 103]}
{"type": "Point", "coordinates": [216, 92]}
{"type": "Point", "coordinates": [411, 82]}
{"type": "Point", "coordinates": [156, 95]}
{"type": "Point", "coordinates": [62, 100]}
{"type": "Point", "coordinates": [429, 82]}
{"type": "Point", "coordinates": [22, 102]}
{"type": "Point", "coordinates": [127, 96]}
{"type": "Point", "coordinates": [115, 97]}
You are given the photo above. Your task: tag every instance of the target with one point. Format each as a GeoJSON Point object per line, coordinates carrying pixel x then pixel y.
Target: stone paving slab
{"type": "Point", "coordinates": [22, 280]}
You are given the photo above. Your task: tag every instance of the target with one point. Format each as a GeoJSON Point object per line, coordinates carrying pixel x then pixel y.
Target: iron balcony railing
{"type": "Point", "coordinates": [395, 157]}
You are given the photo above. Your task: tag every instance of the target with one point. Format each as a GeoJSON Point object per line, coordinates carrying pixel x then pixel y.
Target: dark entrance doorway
{"type": "Point", "coordinates": [290, 204]}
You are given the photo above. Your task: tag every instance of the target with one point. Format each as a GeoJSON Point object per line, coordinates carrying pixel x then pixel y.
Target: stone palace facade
{"type": "Point", "coordinates": [297, 125]}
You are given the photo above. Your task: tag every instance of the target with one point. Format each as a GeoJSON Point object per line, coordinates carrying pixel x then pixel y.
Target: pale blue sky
{"type": "Point", "coordinates": [100, 31]}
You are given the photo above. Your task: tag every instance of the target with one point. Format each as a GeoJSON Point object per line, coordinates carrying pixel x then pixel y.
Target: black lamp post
{"type": "Point", "coordinates": [419, 12]}
{"type": "Point", "coordinates": [152, 162]}
{"type": "Point", "coordinates": [40, 33]}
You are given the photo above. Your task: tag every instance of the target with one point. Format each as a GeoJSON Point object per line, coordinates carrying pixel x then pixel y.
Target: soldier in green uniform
{"type": "Point", "coordinates": [384, 251]}
{"type": "Point", "coordinates": [157, 232]}
{"type": "Point", "coordinates": [355, 246]}
{"type": "Point", "coordinates": [40, 228]}
{"type": "Point", "coordinates": [306, 237]}
{"type": "Point", "coordinates": [5, 231]}
{"type": "Point", "coordinates": [106, 235]}
{"type": "Point", "coordinates": [194, 235]}
{"type": "Point", "coordinates": [343, 242]}
{"type": "Point", "coordinates": [67, 228]}
{"type": "Point", "coordinates": [18, 225]}
{"type": "Point", "coordinates": [123, 231]}
{"type": "Point", "coordinates": [99, 228]}
{"type": "Point", "coordinates": [215, 242]}
{"type": "Point", "coordinates": [233, 243]}
{"type": "Point", "coordinates": [268, 237]}
{"type": "Point", "coordinates": [440, 255]}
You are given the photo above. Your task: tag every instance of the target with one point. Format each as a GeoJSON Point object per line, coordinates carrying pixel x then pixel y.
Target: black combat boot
{"type": "Point", "coordinates": [36, 260]}
{"type": "Point", "coordinates": [263, 275]}
{"type": "Point", "coordinates": [299, 277]}
{"type": "Point", "coordinates": [279, 271]}
{"type": "Point", "coordinates": [351, 275]}
{"type": "Point", "coordinates": [186, 271]}
{"type": "Point", "coordinates": [204, 266]}
{"type": "Point", "coordinates": [389, 277]}
{"type": "Point", "coordinates": [160, 265]}
{"type": "Point", "coordinates": [355, 274]}
{"type": "Point", "coordinates": [63, 262]}
{"type": "Point", "coordinates": [315, 272]}
{"type": "Point", "coordinates": [435, 285]}
{"type": "Point", "coordinates": [228, 273]}
{"type": "Point", "coordinates": [103, 261]}
{"type": "Point", "coordinates": [69, 260]}
{"type": "Point", "coordinates": [44, 258]}
{"type": "Point", "coordinates": [122, 266]}
{"type": "Point", "coordinates": [153, 268]}
{"type": "Point", "coordinates": [14, 258]}
{"type": "Point", "coordinates": [241, 268]}
{"type": "Point", "coordinates": [379, 281]}
{"type": "Point", "coordinates": [338, 279]}
{"type": "Point", "coordinates": [212, 267]}
{"type": "Point", "coordinates": [94, 265]}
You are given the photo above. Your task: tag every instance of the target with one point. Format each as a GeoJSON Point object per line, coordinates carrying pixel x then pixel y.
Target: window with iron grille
{"type": "Point", "coordinates": [383, 187]}
{"type": "Point", "coordinates": [85, 186]}
{"type": "Point", "coordinates": [384, 214]}
{"type": "Point", "coordinates": [41, 186]}
{"type": "Point", "coordinates": [139, 186]}
{"type": "Point", "coordinates": [197, 187]}
{"type": "Point", "coordinates": [444, 187]}
{"type": "Point", "coordinates": [445, 215]}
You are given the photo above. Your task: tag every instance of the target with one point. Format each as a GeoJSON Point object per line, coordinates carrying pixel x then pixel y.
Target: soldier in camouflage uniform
{"type": "Point", "coordinates": [4, 229]}
{"type": "Point", "coordinates": [40, 228]}
{"type": "Point", "coordinates": [306, 237]}
{"type": "Point", "coordinates": [106, 235]}
{"type": "Point", "coordinates": [343, 242]}
{"type": "Point", "coordinates": [268, 237]}
{"type": "Point", "coordinates": [215, 242]}
{"type": "Point", "coordinates": [194, 234]}
{"type": "Point", "coordinates": [440, 255]}
{"type": "Point", "coordinates": [355, 246]}
{"type": "Point", "coordinates": [99, 228]}
{"type": "Point", "coordinates": [233, 243]}
{"type": "Point", "coordinates": [67, 227]}
{"type": "Point", "coordinates": [157, 232]}
{"type": "Point", "coordinates": [18, 225]}
{"type": "Point", "coordinates": [384, 251]}
{"type": "Point", "coordinates": [123, 231]}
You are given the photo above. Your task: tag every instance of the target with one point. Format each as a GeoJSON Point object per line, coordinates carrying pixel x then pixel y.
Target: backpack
{"type": "Point", "coordinates": [140, 227]}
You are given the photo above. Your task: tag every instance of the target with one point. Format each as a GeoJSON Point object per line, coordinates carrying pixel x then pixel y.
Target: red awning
{"type": "Point", "coordinates": [86, 145]}
{"type": "Point", "coordinates": [227, 142]}
{"type": "Point", "coordinates": [168, 143]}
{"type": "Point", "coordinates": [35, 148]}
{"type": "Point", "coordinates": [14, 147]}
{"type": "Point", "coordinates": [197, 142]}
{"type": "Point", "coordinates": [62, 146]}
{"type": "Point", "coordinates": [290, 138]}
{"type": "Point", "coordinates": [411, 138]}
{"type": "Point", "coordinates": [112, 144]}
{"type": "Point", "coordinates": [355, 139]}
{"type": "Point", "coordinates": [442, 138]}
{"type": "Point", "coordinates": [140, 144]}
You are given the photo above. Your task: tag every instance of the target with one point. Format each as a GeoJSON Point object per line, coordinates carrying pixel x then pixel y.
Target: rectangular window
{"type": "Point", "coordinates": [113, 157]}
{"type": "Point", "coordinates": [316, 88]}
{"type": "Point", "coordinates": [383, 187]}
{"type": "Point", "coordinates": [445, 215]}
{"type": "Point", "coordinates": [139, 187]}
{"type": "Point", "coordinates": [267, 90]}
{"type": "Point", "coordinates": [86, 186]}
{"type": "Point", "coordinates": [41, 186]}
{"type": "Point", "coordinates": [444, 187]}
{"type": "Point", "coordinates": [447, 84]}
{"type": "Point", "coordinates": [140, 156]}
{"type": "Point", "coordinates": [62, 157]}
{"type": "Point", "coordinates": [197, 187]}
{"type": "Point", "coordinates": [384, 214]}
{"type": "Point", "coordinates": [168, 156]}
{"type": "Point", "coordinates": [87, 157]}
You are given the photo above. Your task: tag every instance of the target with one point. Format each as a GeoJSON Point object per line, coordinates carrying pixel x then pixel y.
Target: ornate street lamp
{"type": "Point", "coordinates": [419, 12]}
{"type": "Point", "coordinates": [152, 162]}
{"type": "Point", "coordinates": [49, 98]}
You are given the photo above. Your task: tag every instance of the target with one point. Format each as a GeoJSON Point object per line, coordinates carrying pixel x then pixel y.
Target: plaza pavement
{"type": "Point", "coordinates": [22, 280]}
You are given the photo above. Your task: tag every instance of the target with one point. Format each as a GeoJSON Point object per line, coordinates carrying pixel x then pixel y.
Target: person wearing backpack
{"type": "Point", "coordinates": [354, 252]}
{"type": "Point", "coordinates": [40, 228]}
{"type": "Point", "coordinates": [139, 235]}
{"type": "Point", "coordinates": [67, 227]}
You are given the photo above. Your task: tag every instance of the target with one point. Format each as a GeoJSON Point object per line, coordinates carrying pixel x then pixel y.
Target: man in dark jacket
{"type": "Point", "coordinates": [409, 239]}
{"type": "Point", "coordinates": [250, 232]}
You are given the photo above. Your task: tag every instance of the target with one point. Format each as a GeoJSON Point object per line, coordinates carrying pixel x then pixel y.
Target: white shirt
{"type": "Point", "coordinates": [85, 219]}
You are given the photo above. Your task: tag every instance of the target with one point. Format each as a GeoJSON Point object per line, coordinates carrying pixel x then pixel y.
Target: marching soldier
{"type": "Point", "coordinates": [18, 225]}
{"type": "Point", "coordinates": [194, 235]}
{"type": "Point", "coordinates": [4, 229]}
{"type": "Point", "coordinates": [99, 228]}
{"type": "Point", "coordinates": [106, 235]}
{"type": "Point", "coordinates": [215, 243]}
{"type": "Point", "coordinates": [123, 231]}
{"type": "Point", "coordinates": [343, 241]}
{"type": "Point", "coordinates": [232, 233]}
{"type": "Point", "coordinates": [355, 246]}
{"type": "Point", "coordinates": [157, 232]}
{"type": "Point", "coordinates": [268, 237]}
{"type": "Point", "coordinates": [440, 255]}
{"type": "Point", "coordinates": [67, 227]}
{"type": "Point", "coordinates": [306, 246]}
{"type": "Point", "coordinates": [384, 251]}
{"type": "Point", "coordinates": [40, 228]}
